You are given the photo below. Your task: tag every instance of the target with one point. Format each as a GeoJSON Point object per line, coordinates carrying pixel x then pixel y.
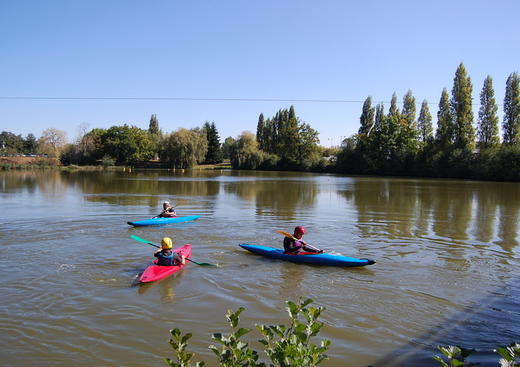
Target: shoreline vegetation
{"type": "Point", "coordinates": [397, 142]}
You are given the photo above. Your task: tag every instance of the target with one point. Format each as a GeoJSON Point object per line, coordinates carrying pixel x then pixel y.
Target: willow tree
{"type": "Point", "coordinates": [461, 105]}
{"type": "Point", "coordinates": [185, 148]}
{"type": "Point", "coordinates": [511, 123]}
{"type": "Point", "coordinates": [487, 116]}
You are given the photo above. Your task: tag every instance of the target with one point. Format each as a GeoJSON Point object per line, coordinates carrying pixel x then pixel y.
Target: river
{"type": "Point", "coordinates": [447, 266]}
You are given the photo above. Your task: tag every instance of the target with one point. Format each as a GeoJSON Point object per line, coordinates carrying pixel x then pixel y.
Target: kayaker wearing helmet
{"type": "Point", "coordinates": [166, 256]}
{"type": "Point", "coordinates": [168, 211]}
{"type": "Point", "coordinates": [296, 244]}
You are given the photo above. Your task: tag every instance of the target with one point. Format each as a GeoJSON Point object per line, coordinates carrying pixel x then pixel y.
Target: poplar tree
{"type": "Point", "coordinates": [425, 123]}
{"type": "Point", "coordinates": [380, 117]}
{"type": "Point", "coordinates": [394, 110]}
{"type": "Point", "coordinates": [366, 119]}
{"type": "Point", "coordinates": [409, 108]}
{"type": "Point", "coordinates": [461, 104]}
{"type": "Point", "coordinates": [487, 116]}
{"type": "Point", "coordinates": [444, 135]}
{"type": "Point", "coordinates": [511, 123]}
{"type": "Point", "coordinates": [261, 132]}
{"type": "Point", "coordinates": [153, 127]}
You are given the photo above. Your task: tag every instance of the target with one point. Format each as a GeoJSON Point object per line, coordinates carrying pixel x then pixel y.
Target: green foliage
{"type": "Point", "coordinates": [185, 148]}
{"type": "Point", "coordinates": [179, 343]}
{"type": "Point", "coordinates": [11, 143]}
{"type": "Point", "coordinates": [445, 128]}
{"type": "Point", "coordinates": [285, 346]}
{"type": "Point", "coordinates": [487, 116]}
{"type": "Point", "coordinates": [424, 123]}
{"type": "Point", "coordinates": [461, 104]}
{"type": "Point", "coordinates": [366, 120]}
{"type": "Point", "coordinates": [456, 356]}
{"type": "Point", "coordinates": [107, 161]}
{"type": "Point", "coordinates": [226, 147]}
{"type": "Point", "coordinates": [284, 136]}
{"type": "Point", "coordinates": [127, 144]}
{"type": "Point", "coordinates": [153, 126]}
{"type": "Point", "coordinates": [409, 108]}
{"type": "Point", "coordinates": [510, 355]}
{"type": "Point", "coordinates": [244, 153]}
{"type": "Point", "coordinates": [234, 352]}
{"type": "Point", "coordinates": [511, 122]}
{"type": "Point", "coordinates": [214, 153]}
{"type": "Point", "coordinates": [292, 346]}
{"type": "Point", "coordinates": [393, 110]}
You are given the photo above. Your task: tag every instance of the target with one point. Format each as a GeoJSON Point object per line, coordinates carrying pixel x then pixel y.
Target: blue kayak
{"type": "Point", "coordinates": [161, 221]}
{"type": "Point", "coordinates": [316, 259]}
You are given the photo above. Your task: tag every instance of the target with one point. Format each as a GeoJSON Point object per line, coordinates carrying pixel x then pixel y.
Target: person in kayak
{"type": "Point", "coordinates": [168, 211]}
{"type": "Point", "coordinates": [166, 256]}
{"type": "Point", "coordinates": [296, 244]}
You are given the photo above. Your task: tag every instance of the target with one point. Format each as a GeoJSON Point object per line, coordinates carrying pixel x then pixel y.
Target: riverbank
{"type": "Point", "coordinates": [19, 162]}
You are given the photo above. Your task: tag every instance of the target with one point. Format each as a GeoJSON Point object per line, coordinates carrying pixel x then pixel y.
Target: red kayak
{"type": "Point", "coordinates": [156, 272]}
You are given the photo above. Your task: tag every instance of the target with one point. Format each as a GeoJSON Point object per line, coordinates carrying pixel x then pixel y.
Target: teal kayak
{"type": "Point", "coordinates": [162, 221]}
{"type": "Point", "coordinates": [307, 258]}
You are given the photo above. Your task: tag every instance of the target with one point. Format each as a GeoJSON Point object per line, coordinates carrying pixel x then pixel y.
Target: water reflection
{"type": "Point", "coordinates": [451, 211]}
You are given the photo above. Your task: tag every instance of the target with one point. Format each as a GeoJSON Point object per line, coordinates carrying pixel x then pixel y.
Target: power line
{"type": "Point", "coordinates": [44, 98]}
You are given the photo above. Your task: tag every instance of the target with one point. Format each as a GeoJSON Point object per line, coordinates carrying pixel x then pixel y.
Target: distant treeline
{"type": "Point", "coordinates": [397, 142]}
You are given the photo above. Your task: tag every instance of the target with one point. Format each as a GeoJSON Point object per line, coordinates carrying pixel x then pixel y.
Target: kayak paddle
{"type": "Point", "coordinates": [287, 234]}
{"type": "Point", "coordinates": [139, 239]}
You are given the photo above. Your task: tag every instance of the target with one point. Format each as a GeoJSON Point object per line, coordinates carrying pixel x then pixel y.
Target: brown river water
{"type": "Point", "coordinates": [447, 266]}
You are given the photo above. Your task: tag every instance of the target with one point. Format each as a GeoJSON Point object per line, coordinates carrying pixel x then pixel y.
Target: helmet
{"type": "Point", "coordinates": [166, 202]}
{"type": "Point", "coordinates": [166, 243]}
{"type": "Point", "coordinates": [299, 229]}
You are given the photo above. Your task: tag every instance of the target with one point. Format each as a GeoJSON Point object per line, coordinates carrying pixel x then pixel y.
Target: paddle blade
{"type": "Point", "coordinates": [201, 264]}
{"type": "Point", "coordinates": [286, 234]}
{"type": "Point", "coordinates": [142, 240]}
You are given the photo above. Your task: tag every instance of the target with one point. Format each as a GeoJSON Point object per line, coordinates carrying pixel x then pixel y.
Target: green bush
{"type": "Point", "coordinates": [457, 356]}
{"type": "Point", "coordinates": [284, 345]}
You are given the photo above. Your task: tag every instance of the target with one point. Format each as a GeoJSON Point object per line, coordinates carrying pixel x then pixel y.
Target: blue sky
{"type": "Point", "coordinates": [242, 49]}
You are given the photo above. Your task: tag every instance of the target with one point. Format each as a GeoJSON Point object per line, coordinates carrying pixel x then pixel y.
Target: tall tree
{"type": "Point", "coordinates": [226, 146]}
{"type": "Point", "coordinates": [511, 123]}
{"type": "Point", "coordinates": [461, 104]}
{"type": "Point", "coordinates": [487, 116]}
{"type": "Point", "coordinates": [380, 116]}
{"type": "Point", "coordinates": [425, 123]}
{"type": "Point", "coordinates": [394, 110]}
{"type": "Point", "coordinates": [11, 143]}
{"type": "Point", "coordinates": [52, 141]}
{"type": "Point", "coordinates": [214, 153]}
{"type": "Point", "coordinates": [261, 132]}
{"type": "Point", "coordinates": [30, 144]}
{"type": "Point", "coordinates": [153, 127]}
{"type": "Point", "coordinates": [185, 148]}
{"type": "Point", "coordinates": [445, 128]}
{"type": "Point", "coordinates": [409, 109]}
{"type": "Point", "coordinates": [366, 120]}
{"type": "Point", "coordinates": [127, 144]}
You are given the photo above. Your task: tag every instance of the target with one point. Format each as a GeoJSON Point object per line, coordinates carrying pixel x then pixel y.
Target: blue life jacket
{"type": "Point", "coordinates": [167, 260]}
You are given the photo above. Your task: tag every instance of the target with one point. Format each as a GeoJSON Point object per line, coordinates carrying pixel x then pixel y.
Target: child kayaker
{"type": "Point", "coordinates": [168, 211]}
{"type": "Point", "coordinates": [296, 244]}
{"type": "Point", "coordinates": [165, 256]}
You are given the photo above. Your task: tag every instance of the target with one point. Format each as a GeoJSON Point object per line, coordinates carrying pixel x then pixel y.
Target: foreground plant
{"type": "Point", "coordinates": [457, 356]}
{"type": "Point", "coordinates": [510, 355]}
{"type": "Point", "coordinates": [285, 346]}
